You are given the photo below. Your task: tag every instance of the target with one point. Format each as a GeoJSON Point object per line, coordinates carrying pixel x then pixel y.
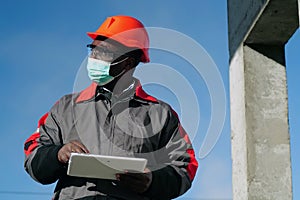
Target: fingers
{"type": "Point", "coordinates": [142, 176]}
{"type": "Point", "coordinates": [63, 155]}
{"type": "Point", "coordinates": [133, 180]}
{"type": "Point", "coordinates": [79, 147]}
{"type": "Point", "coordinates": [133, 183]}
{"type": "Point", "coordinates": [74, 146]}
{"type": "Point", "coordinates": [138, 182]}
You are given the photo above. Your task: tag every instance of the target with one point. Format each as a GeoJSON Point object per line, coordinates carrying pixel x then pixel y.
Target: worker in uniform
{"type": "Point", "coordinates": [113, 116]}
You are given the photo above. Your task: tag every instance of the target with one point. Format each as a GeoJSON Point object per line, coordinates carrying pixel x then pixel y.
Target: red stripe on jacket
{"type": "Point", "coordinates": [31, 143]}
{"type": "Point", "coordinates": [87, 93]}
{"type": "Point", "coordinates": [193, 163]}
{"type": "Point", "coordinates": [139, 92]}
{"type": "Point", "coordinates": [43, 119]}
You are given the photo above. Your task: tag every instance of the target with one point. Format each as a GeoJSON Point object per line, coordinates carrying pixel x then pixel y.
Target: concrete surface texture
{"type": "Point", "coordinates": [267, 132]}
{"type": "Point", "coordinates": [258, 31]}
{"type": "Point", "coordinates": [238, 126]}
{"type": "Point", "coordinates": [261, 21]}
{"type": "Point", "coordinates": [276, 24]}
{"type": "Point", "coordinates": [241, 17]}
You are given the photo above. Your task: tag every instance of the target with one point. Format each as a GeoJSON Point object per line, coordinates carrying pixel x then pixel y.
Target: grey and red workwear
{"type": "Point", "coordinates": [133, 124]}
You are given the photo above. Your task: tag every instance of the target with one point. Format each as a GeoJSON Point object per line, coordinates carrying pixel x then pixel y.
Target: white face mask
{"type": "Point", "coordinates": [98, 70]}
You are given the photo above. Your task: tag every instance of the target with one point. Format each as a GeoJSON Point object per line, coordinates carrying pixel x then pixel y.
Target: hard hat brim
{"type": "Point", "coordinates": [94, 35]}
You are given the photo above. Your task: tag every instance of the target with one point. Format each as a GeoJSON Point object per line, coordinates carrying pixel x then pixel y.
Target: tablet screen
{"type": "Point", "coordinates": [103, 167]}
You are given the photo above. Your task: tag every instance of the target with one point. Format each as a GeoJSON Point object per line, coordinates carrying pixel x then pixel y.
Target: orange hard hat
{"type": "Point", "coordinates": [127, 31]}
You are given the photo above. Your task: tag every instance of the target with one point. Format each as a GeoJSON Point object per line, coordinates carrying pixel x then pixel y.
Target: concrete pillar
{"type": "Point", "coordinates": [239, 149]}
{"type": "Point", "coordinates": [258, 32]}
{"type": "Point", "coordinates": [299, 11]}
{"type": "Point", "coordinates": [259, 123]}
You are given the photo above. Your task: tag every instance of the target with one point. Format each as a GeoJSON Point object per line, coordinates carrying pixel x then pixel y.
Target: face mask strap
{"type": "Point", "coordinates": [119, 61]}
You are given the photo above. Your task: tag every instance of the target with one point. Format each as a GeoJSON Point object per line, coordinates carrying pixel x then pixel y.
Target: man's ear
{"type": "Point", "coordinates": [129, 63]}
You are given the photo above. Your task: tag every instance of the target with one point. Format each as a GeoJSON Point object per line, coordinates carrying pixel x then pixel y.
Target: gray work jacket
{"type": "Point", "coordinates": [133, 124]}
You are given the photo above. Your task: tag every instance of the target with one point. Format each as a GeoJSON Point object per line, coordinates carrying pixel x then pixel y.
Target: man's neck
{"type": "Point", "coordinates": [117, 86]}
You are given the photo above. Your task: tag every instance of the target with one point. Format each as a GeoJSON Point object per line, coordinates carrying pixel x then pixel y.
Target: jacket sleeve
{"type": "Point", "coordinates": [41, 149]}
{"type": "Point", "coordinates": [177, 159]}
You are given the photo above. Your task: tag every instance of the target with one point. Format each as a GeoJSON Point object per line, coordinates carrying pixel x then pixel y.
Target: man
{"type": "Point", "coordinates": [113, 116]}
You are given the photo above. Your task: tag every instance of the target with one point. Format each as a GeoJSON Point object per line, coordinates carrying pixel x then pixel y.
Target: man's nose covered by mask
{"type": "Point", "coordinates": [98, 70]}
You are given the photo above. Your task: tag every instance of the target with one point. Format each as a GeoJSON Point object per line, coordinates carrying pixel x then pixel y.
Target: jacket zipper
{"type": "Point", "coordinates": [111, 135]}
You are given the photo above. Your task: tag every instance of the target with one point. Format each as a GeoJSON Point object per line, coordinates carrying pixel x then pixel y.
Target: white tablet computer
{"type": "Point", "coordinates": [103, 167]}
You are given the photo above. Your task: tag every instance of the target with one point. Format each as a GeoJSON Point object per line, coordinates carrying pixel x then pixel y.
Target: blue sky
{"type": "Point", "coordinates": [44, 43]}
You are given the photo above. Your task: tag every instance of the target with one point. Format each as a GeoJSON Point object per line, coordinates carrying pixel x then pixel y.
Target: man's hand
{"type": "Point", "coordinates": [135, 181]}
{"type": "Point", "coordinates": [72, 147]}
